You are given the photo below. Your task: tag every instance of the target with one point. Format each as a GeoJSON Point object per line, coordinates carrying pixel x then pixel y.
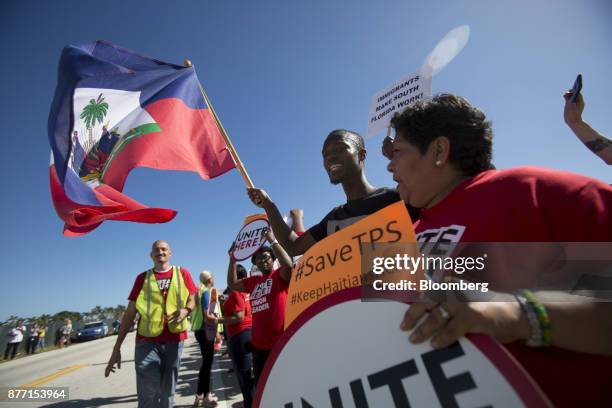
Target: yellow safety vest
{"type": "Point", "coordinates": [152, 308]}
{"type": "Point", "coordinates": [197, 318]}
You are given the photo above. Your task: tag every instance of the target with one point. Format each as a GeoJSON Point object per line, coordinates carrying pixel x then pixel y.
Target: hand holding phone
{"type": "Point", "coordinates": [575, 91]}
{"type": "Point", "coordinates": [574, 103]}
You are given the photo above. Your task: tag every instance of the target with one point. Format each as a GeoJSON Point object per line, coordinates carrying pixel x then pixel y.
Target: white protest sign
{"type": "Point", "coordinates": [343, 352]}
{"type": "Point", "coordinates": [396, 98]}
{"type": "Point", "coordinates": [417, 86]}
{"type": "Point", "coordinates": [251, 236]}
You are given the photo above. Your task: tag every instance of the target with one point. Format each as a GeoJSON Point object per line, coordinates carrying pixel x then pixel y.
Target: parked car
{"type": "Point", "coordinates": [91, 331]}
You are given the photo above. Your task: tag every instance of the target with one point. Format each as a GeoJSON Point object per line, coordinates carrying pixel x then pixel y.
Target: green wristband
{"type": "Point", "coordinates": [539, 322]}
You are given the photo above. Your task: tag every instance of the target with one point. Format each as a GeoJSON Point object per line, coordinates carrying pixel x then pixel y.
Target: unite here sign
{"type": "Point", "coordinates": [396, 98]}
{"type": "Point", "coordinates": [251, 236]}
{"type": "Point", "coordinates": [351, 353]}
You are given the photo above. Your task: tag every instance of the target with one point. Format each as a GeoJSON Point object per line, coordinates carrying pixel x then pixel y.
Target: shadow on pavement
{"type": "Point", "coordinates": [105, 363]}
{"type": "Point", "coordinates": [189, 371]}
{"type": "Point", "coordinates": [94, 402]}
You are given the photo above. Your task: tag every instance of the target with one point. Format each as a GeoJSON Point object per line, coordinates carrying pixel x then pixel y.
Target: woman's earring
{"type": "Point", "coordinates": [438, 163]}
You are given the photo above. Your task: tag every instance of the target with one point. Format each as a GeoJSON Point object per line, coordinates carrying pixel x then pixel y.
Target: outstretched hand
{"type": "Point", "coordinates": [115, 358]}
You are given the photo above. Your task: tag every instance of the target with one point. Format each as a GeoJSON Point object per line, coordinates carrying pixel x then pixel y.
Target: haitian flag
{"type": "Point", "coordinates": [115, 110]}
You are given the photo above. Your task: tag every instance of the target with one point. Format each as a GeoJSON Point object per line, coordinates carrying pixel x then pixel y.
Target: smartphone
{"type": "Point", "coordinates": [576, 88]}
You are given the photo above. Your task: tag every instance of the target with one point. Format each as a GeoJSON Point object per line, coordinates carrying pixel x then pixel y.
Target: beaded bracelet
{"type": "Point", "coordinates": [540, 333]}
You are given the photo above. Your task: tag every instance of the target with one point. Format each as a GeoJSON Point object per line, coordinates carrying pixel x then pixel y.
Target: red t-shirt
{"type": "Point", "coordinates": [268, 297]}
{"type": "Point", "coordinates": [163, 282]}
{"type": "Point", "coordinates": [530, 204]}
{"type": "Point", "coordinates": [238, 302]}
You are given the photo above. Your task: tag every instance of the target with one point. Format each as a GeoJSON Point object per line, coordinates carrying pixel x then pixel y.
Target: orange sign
{"type": "Point", "coordinates": [344, 259]}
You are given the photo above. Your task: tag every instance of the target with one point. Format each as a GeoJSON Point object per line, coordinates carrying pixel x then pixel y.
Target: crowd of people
{"type": "Point", "coordinates": [441, 159]}
{"type": "Point", "coordinates": [15, 337]}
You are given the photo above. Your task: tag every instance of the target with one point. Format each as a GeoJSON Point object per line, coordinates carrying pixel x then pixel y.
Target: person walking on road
{"type": "Point", "coordinates": [204, 324]}
{"type": "Point", "coordinates": [15, 336]}
{"type": "Point", "coordinates": [163, 297]}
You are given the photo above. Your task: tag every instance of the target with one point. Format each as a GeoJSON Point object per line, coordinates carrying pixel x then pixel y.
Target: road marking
{"type": "Point", "coordinates": [54, 376]}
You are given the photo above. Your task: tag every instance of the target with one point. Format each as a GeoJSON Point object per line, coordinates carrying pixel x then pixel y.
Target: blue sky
{"type": "Point", "coordinates": [281, 75]}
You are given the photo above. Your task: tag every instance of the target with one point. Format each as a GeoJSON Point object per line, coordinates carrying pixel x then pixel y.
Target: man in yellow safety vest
{"type": "Point", "coordinates": [163, 297]}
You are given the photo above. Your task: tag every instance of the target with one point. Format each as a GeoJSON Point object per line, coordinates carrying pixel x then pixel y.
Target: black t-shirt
{"type": "Point", "coordinates": [354, 210]}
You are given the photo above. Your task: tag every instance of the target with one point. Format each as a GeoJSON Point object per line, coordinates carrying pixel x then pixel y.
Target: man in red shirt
{"type": "Point", "coordinates": [268, 295]}
{"type": "Point", "coordinates": [164, 297]}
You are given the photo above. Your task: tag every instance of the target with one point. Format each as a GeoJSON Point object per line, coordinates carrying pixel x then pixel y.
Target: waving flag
{"type": "Point", "coordinates": [115, 110]}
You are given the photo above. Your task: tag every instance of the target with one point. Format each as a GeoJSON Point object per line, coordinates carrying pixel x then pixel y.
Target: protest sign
{"type": "Point", "coordinates": [396, 98]}
{"type": "Point", "coordinates": [343, 352]}
{"type": "Point", "coordinates": [335, 263]}
{"type": "Point", "coordinates": [251, 236]}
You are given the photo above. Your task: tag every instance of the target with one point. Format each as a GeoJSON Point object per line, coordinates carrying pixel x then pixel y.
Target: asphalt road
{"type": "Point", "coordinates": [80, 367]}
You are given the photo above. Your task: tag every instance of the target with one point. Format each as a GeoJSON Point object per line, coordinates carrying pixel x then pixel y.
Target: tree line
{"type": "Point", "coordinates": [97, 313]}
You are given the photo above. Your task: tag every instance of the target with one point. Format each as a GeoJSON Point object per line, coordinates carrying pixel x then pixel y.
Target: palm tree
{"type": "Point", "coordinates": [66, 314]}
{"type": "Point", "coordinates": [119, 311]}
{"type": "Point", "coordinates": [93, 112]}
{"type": "Point", "coordinates": [44, 319]}
{"type": "Point", "coordinates": [11, 320]}
{"type": "Point", "coordinates": [108, 312]}
{"type": "Point", "coordinates": [97, 312]}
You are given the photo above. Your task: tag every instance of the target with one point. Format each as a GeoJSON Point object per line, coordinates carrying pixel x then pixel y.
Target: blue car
{"type": "Point", "coordinates": [91, 331]}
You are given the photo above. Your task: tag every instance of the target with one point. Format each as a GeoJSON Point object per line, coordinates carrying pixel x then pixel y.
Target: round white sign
{"type": "Point", "coordinates": [250, 238]}
{"type": "Point", "coordinates": [344, 352]}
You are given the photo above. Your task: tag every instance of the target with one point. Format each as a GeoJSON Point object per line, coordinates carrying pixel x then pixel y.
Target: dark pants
{"type": "Point", "coordinates": [207, 350]}
{"type": "Point", "coordinates": [31, 345]}
{"type": "Point", "coordinates": [243, 363]}
{"type": "Point", "coordinates": [11, 348]}
{"type": "Point", "coordinates": [259, 361]}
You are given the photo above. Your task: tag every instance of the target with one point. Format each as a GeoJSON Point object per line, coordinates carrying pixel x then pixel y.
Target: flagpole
{"type": "Point", "coordinates": [230, 146]}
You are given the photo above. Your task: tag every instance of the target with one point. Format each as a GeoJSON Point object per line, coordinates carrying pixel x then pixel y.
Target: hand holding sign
{"type": "Point", "coordinates": [270, 235]}
{"type": "Point", "coordinates": [446, 322]}
{"type": "Point", "coordinates": [251, 237]}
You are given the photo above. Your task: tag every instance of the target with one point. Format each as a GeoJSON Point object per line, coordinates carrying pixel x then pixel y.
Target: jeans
{"type": "Point", "coordinates": [243, 362]}
{"type": "Point", "coordinates": [157, 366]}
{"type": "Point", "coordinates": [208, 352]}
